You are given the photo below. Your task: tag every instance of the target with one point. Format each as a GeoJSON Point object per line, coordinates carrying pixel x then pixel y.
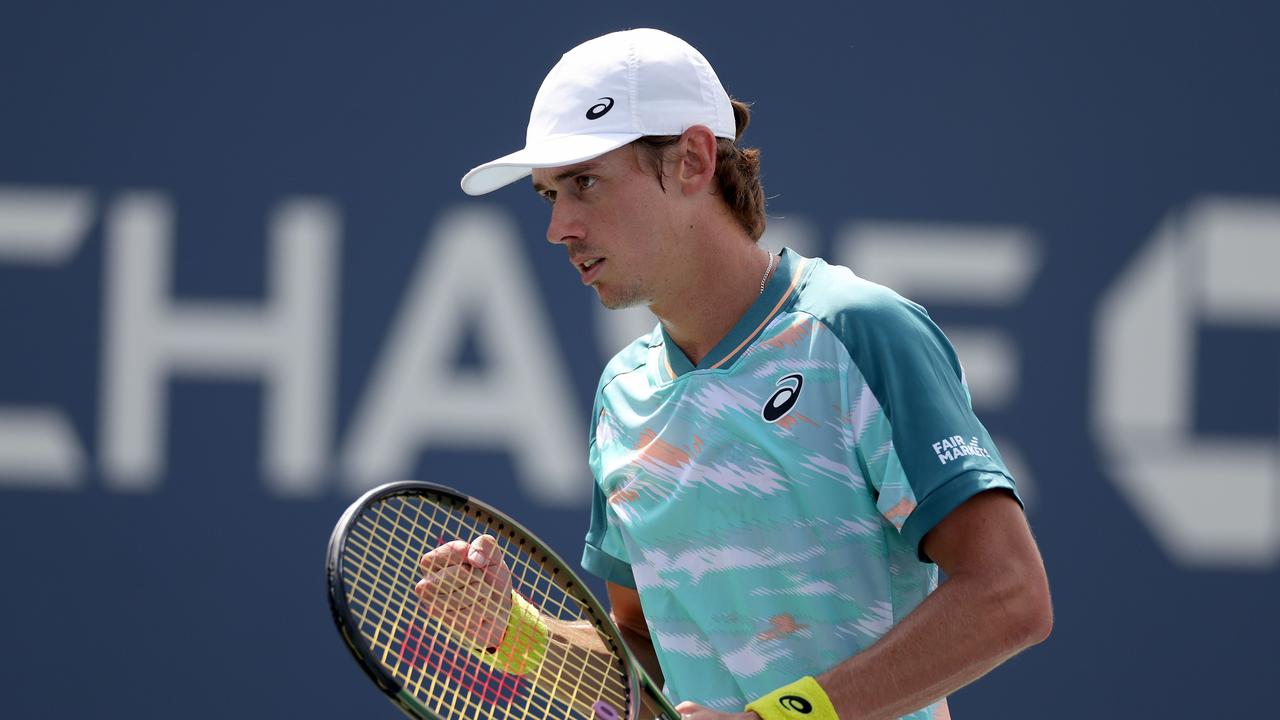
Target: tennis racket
{"type": "Point", "coordinates": [427, 665]}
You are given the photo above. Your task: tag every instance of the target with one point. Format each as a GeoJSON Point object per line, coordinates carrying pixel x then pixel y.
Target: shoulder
{"type": "Point", "coordinates": [860, 312]}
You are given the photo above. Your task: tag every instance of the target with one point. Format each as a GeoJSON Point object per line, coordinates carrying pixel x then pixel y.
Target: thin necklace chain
{"type": "Point", "coordinates": [767, 270]}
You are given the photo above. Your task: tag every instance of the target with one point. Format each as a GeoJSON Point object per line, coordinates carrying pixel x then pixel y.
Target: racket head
{"type": "Point", "coordinates": [372, 568]}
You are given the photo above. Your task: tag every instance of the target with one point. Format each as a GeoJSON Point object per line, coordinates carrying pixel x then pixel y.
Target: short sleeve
{"type": "Point", "coordinates": [604, 554]}
{"type": "Point", "coordinates": [922, 448]}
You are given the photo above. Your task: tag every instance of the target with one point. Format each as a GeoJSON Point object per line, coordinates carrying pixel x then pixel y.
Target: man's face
{"type": "Point", "coordinates": [616, 223]}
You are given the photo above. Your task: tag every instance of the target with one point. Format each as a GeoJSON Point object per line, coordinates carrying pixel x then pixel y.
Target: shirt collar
{"type": "Point", "coordinates": [777, 291]}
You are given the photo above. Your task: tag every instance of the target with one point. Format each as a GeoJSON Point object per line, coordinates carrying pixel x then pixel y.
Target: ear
{"type": "Point", "coordinates": [696, 160]}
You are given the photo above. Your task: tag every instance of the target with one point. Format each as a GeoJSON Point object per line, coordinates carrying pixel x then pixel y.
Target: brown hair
{"type": "Point", "coordinates": [737, 171]}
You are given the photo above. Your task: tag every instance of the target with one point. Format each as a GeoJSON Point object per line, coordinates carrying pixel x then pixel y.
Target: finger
{"type": "Point", "coordinates": [450, 553]}
{"type": "Point", "coordinates": [689, 709]}
{"type": "Point", "coordinates": [483, 550]}
{"type": "Point", "coordinates": [438, 586]}
{"type": "Point", "coordinates": [459, 586]}
{"type": "Point", "coordinates": [461, 608]}
{"type": "Point", "coordinates": [456, 579]}
{"type": "Point", "coordinates": [464, 617]}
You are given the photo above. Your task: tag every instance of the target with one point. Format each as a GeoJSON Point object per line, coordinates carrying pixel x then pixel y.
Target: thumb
{"type": "Point", "coordinates": [482, 551]}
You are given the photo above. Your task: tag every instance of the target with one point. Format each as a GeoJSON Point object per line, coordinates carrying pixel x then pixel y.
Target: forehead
{"type": "Point", "coordinates": [614, 160]}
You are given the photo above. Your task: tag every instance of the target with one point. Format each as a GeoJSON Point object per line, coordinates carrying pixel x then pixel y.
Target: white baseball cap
{"type": "Point", "coordinates": [606, 93]}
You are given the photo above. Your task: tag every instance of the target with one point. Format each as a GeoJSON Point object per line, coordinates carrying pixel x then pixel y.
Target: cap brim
{"type": "Point", "coordinates": [554, 152]}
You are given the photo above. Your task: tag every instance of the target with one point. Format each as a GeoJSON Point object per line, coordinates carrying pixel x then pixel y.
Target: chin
{"type": "Point", "coordinates": [611, 304]}
{"type": "Point", "coordinates": [619, 301]}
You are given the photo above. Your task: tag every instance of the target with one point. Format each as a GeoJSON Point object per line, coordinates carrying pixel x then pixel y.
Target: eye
{"type": "Point", "coordinates": [584, 182]}
{"type": "Point", "coordinates": [549, 196]}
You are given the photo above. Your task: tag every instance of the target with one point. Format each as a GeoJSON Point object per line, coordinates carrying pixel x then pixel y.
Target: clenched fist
{"type": "Point", "coordinates": [467, 587]}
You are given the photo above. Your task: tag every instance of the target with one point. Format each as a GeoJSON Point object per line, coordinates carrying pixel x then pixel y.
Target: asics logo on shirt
{"type": "Point", "coordinates": [783, 399]}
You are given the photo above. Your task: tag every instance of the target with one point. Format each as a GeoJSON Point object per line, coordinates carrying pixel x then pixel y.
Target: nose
{"type": "Point", "coordinates": [566, 223]}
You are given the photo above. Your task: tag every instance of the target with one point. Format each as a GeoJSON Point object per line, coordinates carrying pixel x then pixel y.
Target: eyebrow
{"type": "Point", "coordinates": [566, 173]}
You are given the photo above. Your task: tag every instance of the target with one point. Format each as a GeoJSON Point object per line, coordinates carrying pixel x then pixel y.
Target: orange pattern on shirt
{"type": "Point", "coordinates": [651, 447]}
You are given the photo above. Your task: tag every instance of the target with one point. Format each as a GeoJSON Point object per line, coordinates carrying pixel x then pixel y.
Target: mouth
{"type": "Point", "coordinates": [590, 268]}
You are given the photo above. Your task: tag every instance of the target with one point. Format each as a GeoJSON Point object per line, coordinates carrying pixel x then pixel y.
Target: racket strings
{"type": "Point", "coordinates": [383, 591]}
{"type": "Point", "coordinates": [521, 567]}
{"type": "Point", "coordinates": [594, 669]}
{"type": "Point", "coordinates": [560, 681]}
{"type": "Point", "coordinates": [381, 567]}
{"type": "Point", "coordinates": [588, 673]}
{"type": "Point", "coordinates": [463, 671]}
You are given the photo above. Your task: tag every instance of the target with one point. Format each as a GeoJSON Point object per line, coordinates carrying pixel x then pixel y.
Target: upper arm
{"type": "Point", "coordinates": [989, 530]}
{"type": "Point", "coordinates": [987, 539]}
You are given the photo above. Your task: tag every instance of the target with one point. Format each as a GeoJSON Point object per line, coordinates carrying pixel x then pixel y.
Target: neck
{"type": "Point", "coordinates": [720, 285]}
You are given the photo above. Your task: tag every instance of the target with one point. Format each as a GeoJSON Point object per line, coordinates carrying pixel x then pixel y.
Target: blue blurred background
{"type": "Point", "coordinates": [239, 285]}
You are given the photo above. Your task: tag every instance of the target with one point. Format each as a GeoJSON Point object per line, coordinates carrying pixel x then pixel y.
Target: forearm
{"type": "Point", "coordinates": [579, 645]}
{"type": "Point", "coordinates": [968, 626]}
{"type": "Point", "coordinates": [569, 645]}
{"type": "Point", "coordinates": [641, 646]}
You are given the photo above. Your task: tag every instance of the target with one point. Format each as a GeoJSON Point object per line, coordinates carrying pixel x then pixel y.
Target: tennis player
{"type": "Point", "coordinates": [785, 462]}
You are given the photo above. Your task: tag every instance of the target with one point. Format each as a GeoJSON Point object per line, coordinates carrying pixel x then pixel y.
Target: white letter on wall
{"type": "Point", "coordinates": [473, 271]}
{"type": "Point", "coordinates": [286, 342]}
{"type": "Point", "coordinates": [1209, 501]}
{"type": "Point", "coordinates": [38, 445]}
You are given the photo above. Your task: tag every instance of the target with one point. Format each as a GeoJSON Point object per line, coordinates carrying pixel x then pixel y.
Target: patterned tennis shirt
{"type": "Point", "coordinates": [768, 504]}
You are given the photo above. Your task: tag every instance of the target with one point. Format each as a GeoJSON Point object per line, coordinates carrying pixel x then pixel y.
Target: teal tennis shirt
{"type": "Point", "coordinates": [768, 504]}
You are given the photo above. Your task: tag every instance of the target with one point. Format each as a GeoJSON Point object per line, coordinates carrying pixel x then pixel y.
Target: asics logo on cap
{"type": "Point", "coordinates": [597, 111]}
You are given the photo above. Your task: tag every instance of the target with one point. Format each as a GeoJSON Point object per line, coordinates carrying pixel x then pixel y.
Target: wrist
{"type": "Point", "coordinates": [524, 643]}
{"type": "Point", "coordinates": [803, 699]}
